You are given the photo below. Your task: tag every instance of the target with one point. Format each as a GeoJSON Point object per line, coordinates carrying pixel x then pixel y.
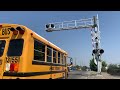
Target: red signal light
{"type": "Point", "coordinates": [16, 65]}
{"type": "Point", "coordinates": [21, 30]}
{"type": "Point", "coordinates": [0, 26]}
{"type": "Point", "coordinates": [15, 32]}
{"type": "Point", "coordinates": [12, 66]}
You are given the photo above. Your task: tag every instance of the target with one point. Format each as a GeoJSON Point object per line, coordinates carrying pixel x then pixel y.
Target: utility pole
{"type": "Point", "coordinates": [75, 61]}
{"type": "Point", "coordinates": [91, 23]}
{"type": "Point", "coordinates": [80, 62]}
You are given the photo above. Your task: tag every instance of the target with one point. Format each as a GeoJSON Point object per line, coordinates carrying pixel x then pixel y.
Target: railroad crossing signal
{"type": "Point", "coordinates": [99, 51]}
{"type": "Point", "coordinates": [71, 61]}
{"type": "Point", "coordinates": [92, 23]}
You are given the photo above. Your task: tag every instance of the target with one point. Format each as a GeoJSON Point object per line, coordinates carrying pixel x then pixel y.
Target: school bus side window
{"type": "Point", "coordinates": [39, 51]}
{"type": "Point", "coordinates": [62, 58]}
{"type": "Point", "coordinates": [54, 56]}
{"type": "Point", "coordinates": [2, 46]}
{"type": "Point", "coordinates": [58, 57]}
{"type": "Point", "coordinates": [49, 54]}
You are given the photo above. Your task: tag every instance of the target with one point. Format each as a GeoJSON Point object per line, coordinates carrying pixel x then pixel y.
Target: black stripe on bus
{"type": "Point", "coordinates": [44, 63]}
{"type": "Point", "coordinates": [27, 74]}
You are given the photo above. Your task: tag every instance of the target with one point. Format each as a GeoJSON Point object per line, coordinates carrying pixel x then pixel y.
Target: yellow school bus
{"type": "Point", "coordinates": [26, 55]}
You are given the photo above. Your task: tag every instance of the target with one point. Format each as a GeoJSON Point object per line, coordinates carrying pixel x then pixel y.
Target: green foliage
{"type": "Point", "coordinates": [93, 66]}
{"type": "Point", "coordinates": [84, 68]}
{"type": "Point", "coordinates": [104, 65]}
{"type": "Point", "coordinates": [77, 67]}
{"type": "Point", "coordinates": [114, 69]}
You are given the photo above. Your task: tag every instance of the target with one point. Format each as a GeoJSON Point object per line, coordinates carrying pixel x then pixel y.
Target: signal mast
{"type": "Point", "coordinates": [92, 24]}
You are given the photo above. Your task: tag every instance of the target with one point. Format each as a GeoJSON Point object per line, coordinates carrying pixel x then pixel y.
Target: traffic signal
{"type": "Point", "coordinates": [94, 51]}
{"type": "Point", "coordinates": [50, 25]}
{"type": "Point", "coordinates": [100, 51]}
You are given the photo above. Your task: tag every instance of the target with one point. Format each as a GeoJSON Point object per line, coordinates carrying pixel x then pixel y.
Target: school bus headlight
{"type": "Point", "coordinates": [21, 30]}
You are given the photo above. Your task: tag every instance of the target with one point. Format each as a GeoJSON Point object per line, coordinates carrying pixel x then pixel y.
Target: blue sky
{"type": "Point", "coordinates": [76, 42]}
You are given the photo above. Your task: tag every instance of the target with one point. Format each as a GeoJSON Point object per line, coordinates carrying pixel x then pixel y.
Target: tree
{"type": "Point", "coordinates": [84, 68]}
{"type": "Point", "coordinates": [113, 69]}
{"type": "Point", "coordinates": [77, 67]}
{"type": "Point", "coordinates": [104, 65]}
{"type": "Point", "coordinates": [93, 66]}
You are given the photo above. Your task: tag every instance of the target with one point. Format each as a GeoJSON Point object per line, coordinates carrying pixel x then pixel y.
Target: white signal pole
{"type": "Point", "coordinates": [91, 23]}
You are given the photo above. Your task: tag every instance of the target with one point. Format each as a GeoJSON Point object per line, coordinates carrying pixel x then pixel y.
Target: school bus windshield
{"type": "Point", "coordinates": [2, 46]}
{"type": "Point", "coordinates": [15, 47]}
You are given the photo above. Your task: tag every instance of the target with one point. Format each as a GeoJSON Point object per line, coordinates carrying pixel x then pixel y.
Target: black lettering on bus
{"type": "Point", "coordinates": [55, 68]}
{"type": "Point", "coordinates": [8, 31]}
{"type": "Point", "coordinates": [5, 31]}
